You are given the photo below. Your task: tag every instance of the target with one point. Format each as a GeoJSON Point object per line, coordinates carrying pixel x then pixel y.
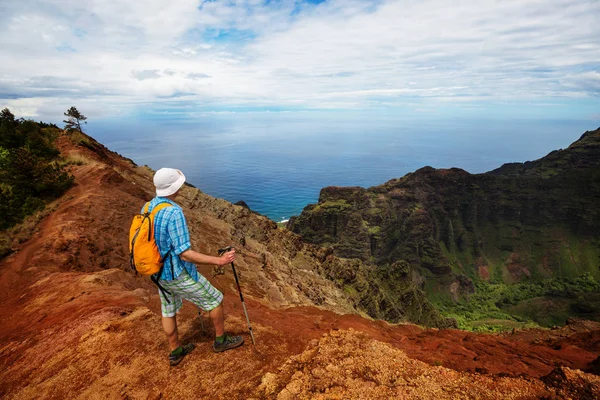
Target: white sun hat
{"type": "Point", "coordinates": [168, 181]}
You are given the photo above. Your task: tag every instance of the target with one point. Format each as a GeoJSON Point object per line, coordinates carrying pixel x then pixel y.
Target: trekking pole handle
{"type": "Point", "coordinates": [225, 250]}
{"type": "Point", "coordinates": [237, 282]}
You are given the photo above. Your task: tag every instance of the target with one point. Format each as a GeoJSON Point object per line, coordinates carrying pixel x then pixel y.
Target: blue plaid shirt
{"type": "Point", "coordinates": [171, 233]}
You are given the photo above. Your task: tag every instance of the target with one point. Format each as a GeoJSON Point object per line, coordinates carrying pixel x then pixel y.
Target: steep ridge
{"type": "Point", "coordinates": [448, 232]}
{"type": "Point", "coordinates": [579, 156]}
{"type": "Point", "coordinates": [76, 323]}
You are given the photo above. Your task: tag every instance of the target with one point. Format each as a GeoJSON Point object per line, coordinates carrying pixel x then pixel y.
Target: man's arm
{"type": "Point", "coordinates": [180, 238]}
{"type": "Point", "coordinates": [199, 258]}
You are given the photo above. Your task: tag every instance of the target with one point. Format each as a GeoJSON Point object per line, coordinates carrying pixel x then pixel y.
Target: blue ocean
{"type": "Point", "coordinates": [278, 162]}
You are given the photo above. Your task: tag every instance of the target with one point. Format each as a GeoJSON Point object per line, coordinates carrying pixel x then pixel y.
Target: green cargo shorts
{"type": "Point", "coordinates": [201, 293]}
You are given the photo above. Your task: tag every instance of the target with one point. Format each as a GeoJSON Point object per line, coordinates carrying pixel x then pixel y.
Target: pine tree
{"type": "Point", "coordinates": [74, 119]}
{"type": "Point", "coordinates": [8, 132]}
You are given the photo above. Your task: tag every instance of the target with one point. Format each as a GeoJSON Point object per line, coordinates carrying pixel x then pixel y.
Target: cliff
{"type": "Point", "coordinates": [447, 232]}
{"type": "Point", "coordinates": [75, 322]}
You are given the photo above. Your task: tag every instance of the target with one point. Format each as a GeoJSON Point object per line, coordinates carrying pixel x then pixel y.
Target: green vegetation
{"type": "Point", "coordinates": [497, 307]}
{"type": "Point", "coordinates": [21, 232]}
{"type": "Point", "coordinates": [338, 205]}
{"type": "Point", "coordinates": [30, 174]}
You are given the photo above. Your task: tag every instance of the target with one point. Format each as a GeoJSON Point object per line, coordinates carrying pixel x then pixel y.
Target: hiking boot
{"type": "Point", "coordinates": [175, 359]}
{"type": "Point", "coordinates": [230, 342]}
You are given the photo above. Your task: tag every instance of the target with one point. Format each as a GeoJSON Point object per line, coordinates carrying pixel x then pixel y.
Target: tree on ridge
{"type": "Point", "coordinates": [74, 119]}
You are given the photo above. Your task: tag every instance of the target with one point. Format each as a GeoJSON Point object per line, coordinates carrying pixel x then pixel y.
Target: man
{"type": "Point", "coordinates": [179, 276]}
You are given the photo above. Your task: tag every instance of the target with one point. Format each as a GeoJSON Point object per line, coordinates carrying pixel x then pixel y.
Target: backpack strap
{"type": "Point", "coordinates": [156, 277]}
{"type": "Point", "coordinates": [164, 291]}
{"type": "Point", "coordinates": [152, 215]}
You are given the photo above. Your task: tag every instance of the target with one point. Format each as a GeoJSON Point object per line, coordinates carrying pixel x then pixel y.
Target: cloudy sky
{"type": "Point", "coordinates": [188, 57]}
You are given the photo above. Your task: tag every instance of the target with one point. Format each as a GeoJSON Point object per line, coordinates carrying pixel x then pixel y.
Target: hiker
{"type": "Point", "coordinates": [179, 276]}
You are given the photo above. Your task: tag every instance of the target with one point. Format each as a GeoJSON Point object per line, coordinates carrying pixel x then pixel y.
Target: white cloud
{"type": "Point", "coordinates": [120, 55]}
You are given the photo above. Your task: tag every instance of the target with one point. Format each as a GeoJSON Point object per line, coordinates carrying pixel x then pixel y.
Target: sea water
{"type": "Point", "coordinates": [277, 163]}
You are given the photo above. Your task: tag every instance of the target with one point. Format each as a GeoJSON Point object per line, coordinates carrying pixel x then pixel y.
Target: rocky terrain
{"type": "Point", "coordinates": [448, 233]}
{"type": "Point", "coordinates": [75, 322]}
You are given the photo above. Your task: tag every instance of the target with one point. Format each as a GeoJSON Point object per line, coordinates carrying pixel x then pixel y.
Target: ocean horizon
{"type": "Point", "coordinates": [278, 162]}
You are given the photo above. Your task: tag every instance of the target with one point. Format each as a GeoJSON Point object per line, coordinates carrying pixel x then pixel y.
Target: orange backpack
{"type": "Point", "coordinates": [143, 251]}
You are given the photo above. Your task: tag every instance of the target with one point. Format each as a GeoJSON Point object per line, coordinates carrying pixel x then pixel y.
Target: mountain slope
{"type": "Point", "coordinates": [448, 231]}
{"type": "Point", "coordinates": [76, 323]}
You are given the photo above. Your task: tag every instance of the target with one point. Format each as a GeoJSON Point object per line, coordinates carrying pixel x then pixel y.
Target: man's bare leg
{"type": "Point", "coordinates": [216, 315]}
{"type": "Point", "coordinates": [170, 327]}
{"type": "Point", "coordinates": [222, 341]}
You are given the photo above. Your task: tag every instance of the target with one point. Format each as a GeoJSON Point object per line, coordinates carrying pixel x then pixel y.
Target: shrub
{"type": "Point", "coordinates": [30, 176]}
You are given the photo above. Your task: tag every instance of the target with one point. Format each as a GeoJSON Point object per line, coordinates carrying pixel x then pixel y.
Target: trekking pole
{"type": "Point", "coordinates": [225, 250]}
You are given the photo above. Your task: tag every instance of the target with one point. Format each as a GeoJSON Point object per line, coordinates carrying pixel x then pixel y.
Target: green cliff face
{"type": "Point", "coordinates": [457, 236]}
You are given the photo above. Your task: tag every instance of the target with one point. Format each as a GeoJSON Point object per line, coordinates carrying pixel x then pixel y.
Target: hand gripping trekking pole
{"type": "Point", "coordinates": [225, 250]}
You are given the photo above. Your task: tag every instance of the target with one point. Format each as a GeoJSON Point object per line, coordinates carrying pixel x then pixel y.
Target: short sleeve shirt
{"type": "Point", "coordinates": [172, 238]}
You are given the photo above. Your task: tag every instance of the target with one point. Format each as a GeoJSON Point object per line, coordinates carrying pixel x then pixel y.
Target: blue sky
{"type": "Point", "coordinates": [186, 59]}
